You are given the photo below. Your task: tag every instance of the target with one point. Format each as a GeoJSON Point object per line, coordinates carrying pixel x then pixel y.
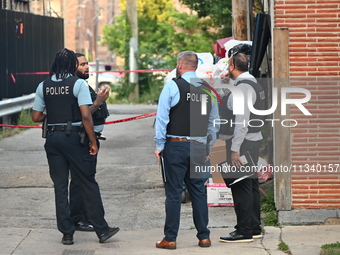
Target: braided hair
{"type": "Point", "coordinates": [65, 62]}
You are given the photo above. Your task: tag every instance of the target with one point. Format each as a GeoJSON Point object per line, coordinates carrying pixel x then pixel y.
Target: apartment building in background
{"type": "Point", "coordinates": [83, 23]}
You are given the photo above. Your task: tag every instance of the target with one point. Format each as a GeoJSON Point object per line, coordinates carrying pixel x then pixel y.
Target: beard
{"type": "Point", "coordinates": [231, 76]}
{"type": "Point", "coordinates": [82, 75]}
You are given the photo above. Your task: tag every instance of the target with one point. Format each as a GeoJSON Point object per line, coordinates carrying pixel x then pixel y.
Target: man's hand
{"type": "Point", "coordinates": [103, 94]}
{"type": "Point", "coordinates": [93, 148]}
{"type": "Point", "coordinates": [235, 159]}
{"type": "Point", "coordinates": [158, 154]}
{"type": "Point", "coordinates": [88, 125]}
{"type": "Point", "coordinates": [225, 77]}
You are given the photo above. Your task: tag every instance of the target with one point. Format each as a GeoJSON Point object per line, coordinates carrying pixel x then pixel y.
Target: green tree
{"type": "Point", "coordinates": [218, 13]}
{"type": "Point", "coordinates": [162, 33]}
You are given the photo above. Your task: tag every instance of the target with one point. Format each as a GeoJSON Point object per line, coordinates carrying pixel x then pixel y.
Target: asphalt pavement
{"type": "Point", "coordinates": [133, 197]}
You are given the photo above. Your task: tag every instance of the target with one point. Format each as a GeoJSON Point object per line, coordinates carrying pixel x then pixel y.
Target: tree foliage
{"type": "Point", "coordinates": [161, 28]}
{"type": "Point", "coordinates": [162, 33]}
{"type": "Point", "coordinates": [218, 12]}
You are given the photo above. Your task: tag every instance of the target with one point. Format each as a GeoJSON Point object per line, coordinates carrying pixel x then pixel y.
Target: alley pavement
{"type": "Point", "coordinates": [133, 197]}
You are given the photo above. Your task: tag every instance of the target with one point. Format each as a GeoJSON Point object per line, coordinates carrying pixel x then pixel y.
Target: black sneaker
{"type": "Point", "coordinates": [83, 226]}
{"type": "Point", "coordinates": [67, 239]}
{"type": "Point", "coordinates": [234, 237]}
{"type": "Point", "coordinates": [257, 235]}
{"type": "Point", "coordinates": [111, 232]}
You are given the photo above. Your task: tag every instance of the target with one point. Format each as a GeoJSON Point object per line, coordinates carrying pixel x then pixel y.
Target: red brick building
{"type": "Point", "coordinates": [84, 21]}
{"type": "Point", "coordinates": [306, 47]}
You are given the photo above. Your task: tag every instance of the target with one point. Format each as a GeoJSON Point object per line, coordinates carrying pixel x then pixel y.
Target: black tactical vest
{"type": "Point", "coordinates": [101, 113]}
{"type": "Point", "coordinates": [186, 118]}
{"type": "Point", "coordinates": [61, 104]}
{"type": "Point", "coordinates": [255, 121]}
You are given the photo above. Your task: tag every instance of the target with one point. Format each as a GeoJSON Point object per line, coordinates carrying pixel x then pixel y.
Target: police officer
{"type": "Point", "coordinates": [181, 136]}
{"type": "Point", "coordinates": [66, 99]}
{"type": "Point", "coordinates": [99, 113]}
{"type": "Point", "coordinates": [241, 139]}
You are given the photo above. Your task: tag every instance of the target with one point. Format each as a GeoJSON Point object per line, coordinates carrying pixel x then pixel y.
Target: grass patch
{"type": "Point", "coordinates": [24, 119]}
{"type": "Point", "coordinates": [284, 247]}
{"type": "Point", "coordinates": [267, 203]}
{"type": "Point", "coordinates": [268, 208]}
{"type": "Point", "coordinates": [7, 132]}
{"type": "Point", "coordinates": [330, 249]}
{"type": "Point", "coordinates": [270, 219]}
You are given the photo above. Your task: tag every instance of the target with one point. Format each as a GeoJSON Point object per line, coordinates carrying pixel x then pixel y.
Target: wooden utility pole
{"type": "Point", "coordinates": [282, 138]}
{"type": "Point", "coordinates": [131, 8]}
{"type": "Point", "coordinates": [239, 19]}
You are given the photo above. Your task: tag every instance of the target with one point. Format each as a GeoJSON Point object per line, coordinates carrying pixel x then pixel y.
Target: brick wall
{"type": "Point", "coordinates": [314, 56]}
{"type": "Point", "coordinates": [79, 26]}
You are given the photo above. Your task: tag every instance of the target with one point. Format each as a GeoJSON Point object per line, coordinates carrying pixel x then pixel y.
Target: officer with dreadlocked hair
{"type": "Point", "coordinates": [64, 64]}
{"type": "Point", "coordinates": [66, 100]}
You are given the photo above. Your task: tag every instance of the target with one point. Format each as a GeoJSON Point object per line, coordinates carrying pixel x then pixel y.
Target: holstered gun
{"type": "Point", "coordinates": [84, 139]}
{"type": "Point", "coordinates": [44, 128]}
{"type": "Point", "coordinates": [68, 128]}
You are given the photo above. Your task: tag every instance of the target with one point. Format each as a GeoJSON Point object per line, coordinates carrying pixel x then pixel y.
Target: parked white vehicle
{"type": "Point", "coordinates": [105, 74]}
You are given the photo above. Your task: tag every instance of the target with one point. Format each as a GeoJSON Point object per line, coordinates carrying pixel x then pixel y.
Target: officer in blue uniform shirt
{"type": "Point", "coordinates": [66, 100]}
{"type": "Point", "coordinates": [185, 117]}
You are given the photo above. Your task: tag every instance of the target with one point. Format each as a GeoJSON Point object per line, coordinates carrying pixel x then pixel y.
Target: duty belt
{"type": "Point", "coordinates": [178, 139]}
{"type": "Point", "coordinates": [62, 128]}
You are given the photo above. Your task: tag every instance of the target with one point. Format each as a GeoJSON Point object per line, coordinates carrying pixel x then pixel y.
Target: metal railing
{"type": "Point", "coordinates": [15, 105]}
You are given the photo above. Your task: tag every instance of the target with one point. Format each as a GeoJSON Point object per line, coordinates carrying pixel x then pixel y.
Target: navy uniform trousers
{"type": "Point", "coordinates": [179, 159]}
{"type": "Point", "coordinates": [64, 154]}
{"type": "Point", "coordinates": [77, 206]}
{"type": "Point", "coordinates": [246, 194]}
